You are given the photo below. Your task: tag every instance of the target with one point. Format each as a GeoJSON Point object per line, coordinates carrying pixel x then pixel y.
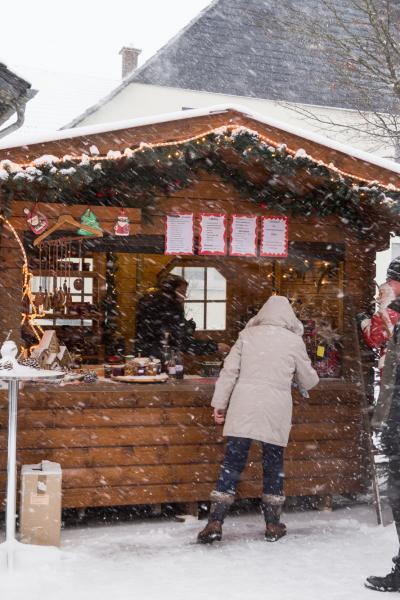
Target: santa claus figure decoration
{"type": "Point", "coordinates": [37, 222]}
{"type": "Point", "coordinates": [122, 226]}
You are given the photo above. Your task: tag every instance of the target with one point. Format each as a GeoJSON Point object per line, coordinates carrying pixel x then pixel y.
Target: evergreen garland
{"type": "Point", "coordinates": [136, 177]}
{"type": "Point", "coordinates": [110, 308]}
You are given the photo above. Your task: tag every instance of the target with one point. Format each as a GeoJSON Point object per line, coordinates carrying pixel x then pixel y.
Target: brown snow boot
{"type": "Point", "coordinates": [220, 505]}
{"type": "Point", "coordinates": [272, 510]}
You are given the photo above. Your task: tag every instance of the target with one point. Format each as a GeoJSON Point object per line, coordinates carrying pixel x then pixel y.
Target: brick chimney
{"type": "Point", "coordinates": [130, 57]}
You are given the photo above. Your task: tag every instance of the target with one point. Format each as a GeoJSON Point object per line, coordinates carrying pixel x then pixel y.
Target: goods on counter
{"type": "Point", "coordinates": [83, 375]}
{"type": "Point", "coordinates": [142, 366]}
{"type": "Point", "coordinates": [179, 366]}
{"type": "Point", "coordinates": [171, 365]}
{"type": "Point", "coordinates": [89, 376]}
{"type": "Point", "coordinates": [114, 366]}
{"type": "Point", "coordinates": [328, 356]}
{"type": "Point", "coordinates": [29, 362]}
{"type": "Point", "coordinates": [211, 368]}
{"type": "Point", "coordinates": [6, 365]}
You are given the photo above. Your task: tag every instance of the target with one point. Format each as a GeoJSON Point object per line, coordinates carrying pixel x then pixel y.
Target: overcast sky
{"type": "Point", "coordinates": [69, 51]}
{"type": "Point", "coordinates": [85, 36]}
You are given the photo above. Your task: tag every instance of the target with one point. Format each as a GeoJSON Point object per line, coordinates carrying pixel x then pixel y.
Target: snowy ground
{"type": "Point", "coordinates": [325, 555]}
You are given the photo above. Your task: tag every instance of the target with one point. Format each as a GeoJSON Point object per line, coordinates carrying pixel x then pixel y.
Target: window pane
{"type": "Point", "coordinates": [88, 285]}
{"type": "Point", "coordinates": [177, 271]}
{"type": "Point", "coordinates": [195, 277]}
{"type": "Point", "coordinates": [195, 311]}
{"type": "Point", "coordinates": [35, 284]}
{"type": "Point", "coordinates": [73, 322]}
{"type": "Point", "coordinates": [216, 285]}
{"type": "Point", "coordinates": [216, 315]}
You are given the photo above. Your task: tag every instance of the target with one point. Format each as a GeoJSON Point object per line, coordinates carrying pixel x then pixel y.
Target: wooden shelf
{"type": "Point", "coordinates": [61, 274]}
{"type": "Point", "coordinates": [75, 316]}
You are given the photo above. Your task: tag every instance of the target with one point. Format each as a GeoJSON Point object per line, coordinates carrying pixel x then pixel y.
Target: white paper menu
{"type": "Point", "coordinates": [179, 234]}
{"type": "Point", "coordinates": [212, 234]}
{"type": "Point", "coordinates": [274, 237]}
{"type": "Point", "coordinates": [243, 235]}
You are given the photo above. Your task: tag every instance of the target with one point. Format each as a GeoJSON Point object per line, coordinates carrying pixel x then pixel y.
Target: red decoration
{"type": "Point", "coordinates": [122, 226]}
{"type": "Point", "coordinates": [37, 221]}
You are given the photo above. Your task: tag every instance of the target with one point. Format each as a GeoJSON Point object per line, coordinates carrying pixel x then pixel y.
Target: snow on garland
{"type": "Point", "coordinates": [148, 169]}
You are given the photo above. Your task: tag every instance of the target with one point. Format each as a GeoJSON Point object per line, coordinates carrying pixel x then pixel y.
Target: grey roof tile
{"type": "Point", "coordinates": [13, 90]}
{"type": "Point", "coordinates": [240, 47]}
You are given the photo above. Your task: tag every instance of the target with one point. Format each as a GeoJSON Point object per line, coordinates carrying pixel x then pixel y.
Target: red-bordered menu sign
{"type": "Point", "coordinates": [212, 234]}
{"type": "Point", "coordinates": [243, 235]}
{"type": "Point", "coordinates": [179, 234]}
{"type": "Point", "coordinates": [274, 237]}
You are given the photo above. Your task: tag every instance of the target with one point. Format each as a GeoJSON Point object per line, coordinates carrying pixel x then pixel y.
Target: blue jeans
{"type": "Point", "coordinates": [236, 452]}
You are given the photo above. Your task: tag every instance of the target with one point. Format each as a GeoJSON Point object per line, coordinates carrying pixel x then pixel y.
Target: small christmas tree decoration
{"type": "Point", "coordinates": [38, 222]}
{"type": "Point", "coordinates": [122, 226]}
{"type": "Point", "coordinates": [90, 219]}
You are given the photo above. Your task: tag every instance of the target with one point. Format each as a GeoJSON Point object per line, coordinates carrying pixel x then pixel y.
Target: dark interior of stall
{"type": "Point", "coordinates": [89, 289]}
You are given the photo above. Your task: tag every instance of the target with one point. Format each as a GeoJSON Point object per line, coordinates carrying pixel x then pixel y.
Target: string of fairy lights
{"type": "Point", "coordinates": [27, 295]}
{"type": "Point", "coordinates": [21, 178]}
{"type": "Point", "coordinates": [13, 171]}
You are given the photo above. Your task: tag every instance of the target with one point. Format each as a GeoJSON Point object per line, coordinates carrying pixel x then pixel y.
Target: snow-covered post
{"type": "Point", "coordinates": [11, 507]}
{"type": "Point", "coordinates": [12, 372]}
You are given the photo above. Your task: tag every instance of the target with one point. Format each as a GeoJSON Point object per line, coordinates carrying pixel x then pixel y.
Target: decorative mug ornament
{"type": "Point", "coordinates": [39, 298]}
{"type": "Point", "coordinates": [78, 284]}
{"type": "Point", "coordinates": [36, 220]}
{"type": "Point", "coordinates": [122, 226]}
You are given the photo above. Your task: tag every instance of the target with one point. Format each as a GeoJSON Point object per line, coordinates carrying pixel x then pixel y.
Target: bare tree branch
{"type": "Point", "coordinates": [360, 42]}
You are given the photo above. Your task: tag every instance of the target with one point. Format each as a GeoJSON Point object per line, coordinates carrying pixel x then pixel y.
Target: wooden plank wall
{"type": "Point", "coordinates": [121, 445]}
{"type": "Point", "coordinates": [148, 445]}
{"type": "Point", "coordinates": [208, 194]}
{"type": "Point", "coordinates": [11, 280]}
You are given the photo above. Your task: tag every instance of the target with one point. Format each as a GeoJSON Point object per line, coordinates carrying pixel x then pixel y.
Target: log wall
{"type": "Point", "coordinates": [143, 444]}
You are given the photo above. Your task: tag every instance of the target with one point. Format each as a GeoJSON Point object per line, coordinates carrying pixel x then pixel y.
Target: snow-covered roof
{"type": "Point", "coordinates": [190, 114]}
{"type": "Point", "coordinates": [247, 48]}
{"type": "Point", "coordinates": [59, 98]}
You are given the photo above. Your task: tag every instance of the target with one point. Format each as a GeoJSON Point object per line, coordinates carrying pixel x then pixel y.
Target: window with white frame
{"type": "Point", "coordinates": [206, 296]}
{"type": "Point", "coordinates": [81, 290]}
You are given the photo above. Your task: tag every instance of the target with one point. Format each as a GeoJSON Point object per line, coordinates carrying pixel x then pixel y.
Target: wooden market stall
{"type": "Point", "coordinates": [123, 443]}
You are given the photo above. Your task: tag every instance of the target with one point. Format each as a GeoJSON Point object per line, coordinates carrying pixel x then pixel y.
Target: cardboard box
{"type": "Point", "coordinates": [40, 521]}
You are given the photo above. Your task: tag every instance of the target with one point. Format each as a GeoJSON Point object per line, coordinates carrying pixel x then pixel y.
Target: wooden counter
{"type": "Point", "coordinates": [122, 444]}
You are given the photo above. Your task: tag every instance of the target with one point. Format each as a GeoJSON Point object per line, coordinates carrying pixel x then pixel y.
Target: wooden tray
{"type": "Point", "coordinates": [141, 378]}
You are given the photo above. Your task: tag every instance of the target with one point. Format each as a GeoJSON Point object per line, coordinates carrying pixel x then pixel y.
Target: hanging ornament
{"type": "Point", "coordinates": [90, 219]}
{"type": "Point", "coordinates": [78, 284]}
{"type": "Point", "coordinates": [68, 295]}
{"type": "Point", "coordinates": [58, 294]}
{"type": "Point", "coordinates": [39, 296]}
{"type": "Point", "coordinates": [122, 226]}
{"type": "Point", "coordinates": [46, 300]}
{"type": "Point", "coordinates": [37, 221]}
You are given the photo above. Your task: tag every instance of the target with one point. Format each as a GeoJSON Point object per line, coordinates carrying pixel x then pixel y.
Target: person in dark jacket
{"type": "Point", "coordinates": [160, 317]}
{"type": "Point", "coordinates": [386, 419]}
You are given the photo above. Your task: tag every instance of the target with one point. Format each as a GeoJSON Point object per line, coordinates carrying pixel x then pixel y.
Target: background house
{"type": "Point", "coordinates": [15, 92]}
{"type": "Point", "coordinates": [239, 51]}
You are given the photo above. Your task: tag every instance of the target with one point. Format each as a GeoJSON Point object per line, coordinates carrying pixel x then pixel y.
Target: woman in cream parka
{"type": "Point", "coordinates": [253, 398]}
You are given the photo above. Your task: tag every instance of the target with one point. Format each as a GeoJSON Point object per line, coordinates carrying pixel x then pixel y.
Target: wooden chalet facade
{"type": "Point", "coordinates": [121, 444]}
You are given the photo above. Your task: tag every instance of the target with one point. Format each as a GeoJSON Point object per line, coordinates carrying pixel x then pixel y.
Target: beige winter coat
{"type": "Point", "coordinates": [255, 383]}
